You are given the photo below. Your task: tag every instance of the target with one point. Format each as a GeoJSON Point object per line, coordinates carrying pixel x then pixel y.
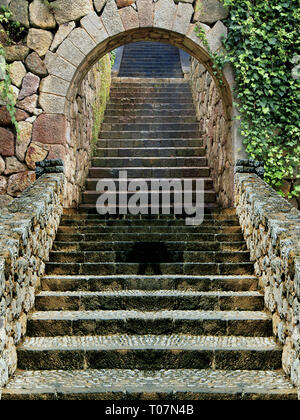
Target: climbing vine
{"type": "Point", "coordinates": [263, 46]}
{"type": "Point", "coordinates": [10, 31]}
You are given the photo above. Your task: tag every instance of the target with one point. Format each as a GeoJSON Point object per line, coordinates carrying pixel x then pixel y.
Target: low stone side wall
{"type": "Point", "coordinates": [271, 226]}
{"type": "Point", "coordinates": [27, 230]}
{"type": "Point", "coordinates": [215, 130]}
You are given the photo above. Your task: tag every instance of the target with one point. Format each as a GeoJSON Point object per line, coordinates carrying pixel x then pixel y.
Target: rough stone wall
{"type": "Point", "coordinates": [216, 131]}
{"type": "Point", "coordinates": [85, 119]}
{"type": "Point", "coordinates": [65, 39]}
{"type": "Point", "coordinates": [27, 230]}
{"type": "Point", "coordinates": [271, 226]}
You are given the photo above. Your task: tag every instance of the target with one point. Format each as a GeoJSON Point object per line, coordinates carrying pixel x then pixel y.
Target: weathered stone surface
{"type": "Point", "coordinates": [17, 183]}
{"type": "Point", "coordinates": [24, 140]}
{"type": "Point", "coordinates": [5, 118]}
{"type": "Point", "coordinates": [28, 104]}
{"type": "Point", "coordinates": [17, 72]}
{"type": "Point", "coordinates": [94, 27]}
{"type": "Point", "coordinates": [19, 9]}
{"type": "Point", "coordinates": [13, 165]}
{"type": "Point", "coordinates": [16, 53]}
{"type": "Point", "coordinates": [3, 184]}
{"type": "Point", "coordinates": [5, 200]}
{"type": "Point", "coordinates": [52, 104]}
{"type": "Point", "coordinates": [2, 165]}
{"type": "Point", "coordinates": [210, 11]}
{"type": "Point", "coordinates": [70, 53]}
{"type": "Point", "coordinates": [30, 85]}
{"type": "Point", "coordinates": [129, 18]}
{"type": "Point", "coordinates": [57, 151]}
{"type": "Point", "coordinates": [99, 4]}
{"type": "Point", "coordinates": [35, 153]}
{"type": "Point", "coordinates": [7, 142]}
{"type": "Point", "coordinates": [215, 35]}
{"type": "Point", "coordinates": [61, 34]}
{"type": "Point", "coordinates": [35, 65]}
{"type": "Point", "coordinates": [124, 3]}
{"type": "Point", "coordinates": [146, 13]}
{"type": "Point", "coordinates": [183, 18]}
{"type": "Point", "coordinates": [164, 14]}
{"type": "Point", "coordinates": [50, 129]}
{"type": "Point", "coordinates": [54, 85]}
{"type": "Point", "coordinates": [111, 19]}
{"type": "Point", "coordinates": [82, 40]}
{"type": "Point", "coordinates": [59, 67]}
{"type": "Point", "coordinates": [68, 10]}
{"type": "Point", "coordinates": [39, 40]}
{"type": "Point", "coordinates": [41, 15]}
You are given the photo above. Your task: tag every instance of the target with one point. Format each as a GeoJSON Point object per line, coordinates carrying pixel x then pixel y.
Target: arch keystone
{"type": "Point", "coordinates": [129, 18]}
{"type": "Point", "coordinates": [183, 18]}
{"type": "Point", "coordinates": [164, 14]}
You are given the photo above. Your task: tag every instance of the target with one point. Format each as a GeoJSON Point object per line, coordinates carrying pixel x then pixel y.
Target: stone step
{"type": "Point", "coordinates": [150, 97]}
{"type": "Point", "coordinates": [167, 107]}
{"type": "Point", "coordinates": [142, 351]}
{"type": "Point", "coordinates": [78, 221]}
{"type": "Point", "coordinates": [185, 268]}
{"type": "Point", "coordinates": [178, 102]}
{"type": "Point", "coordinates": [146, 143]}
{"type": "Point", "coordinates": [155, 229]}
{"type": "Point", "coordinates": [136, 83]}
{"type": "Point", "coordinates": [92, 196]}
{"type": "Point", "coordinates": [134, 384]}
{"type": "Point", "coordinates": [162, 127]}
{"type": "Point", "coordinates": [206, 283]}
{"type": "Point", "coordinates": [157, 172]}
{"type": "Point", "coordinates": [149, 237]}
{"type": "Point", "coordinates": [149, 300]}
{"type": "Point", "coordinates": [118, 211]}
{"type": "Point", "coordinates": [150, 152]}
{"type": "Point", "coordinates": [169, 89]}
{"type": "Point", "coordinates": [149, 119]}
{"type": "Point", "coordinates": [169, 246]}
{"type": "Point", "coordinates": [195, 322]}
{"type": "Point", "coordinates": [91, 183]}
{"type": "Point", "coordinates": [145, 135]}
{"type": "Point", "coordinates": [150, 113]}
{"type": "Point", "coordinates": [130, 255]}
{"type": "Point", "coordinates": [146, 162]}
{"type": "Point", "coordinates": [150, 74]}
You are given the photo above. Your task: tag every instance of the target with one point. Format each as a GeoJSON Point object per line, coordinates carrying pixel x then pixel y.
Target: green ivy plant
{"type": "Point", "coordinates": [263, 45]}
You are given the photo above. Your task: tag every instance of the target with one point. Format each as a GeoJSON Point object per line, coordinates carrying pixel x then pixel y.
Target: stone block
{"type": "Point", "coordinates": [35, 65]}
{"type": "Point", "coordinates": [68, 10]}
{"type": "Point", "coordinates": [215, 35]}
{"type": "Point", "coordinates": [164, 14]}
{"type": "Point", "coordinates": [7, 142]}
{"type": "Point", "coordinates": [16, 53]}
{"type": "Point", "coordinates": [5, 118]}
{"type": "Point", "coordinates": [59, 67]}
{"type": "Point", "coordinates": [17, 73]}
{"type": "Point", "coordinates": [69, 52]}
{"type": "Point", "coordinates": [39, 40]}
{"type": "Point", "coordinates": [17, 183]}
{"type": "Point", "coordinates": [52, 104]}
{"type": "Point", "coordinates": [210, 11]}
{"type": "Point", "coordinates": [129, 18]}
{"type": "Point", "coordinates": [25, 128]}
{"type": "Point", "coordinates": [99, 4]}
{"type": "Point", "coordinates": [2, 165]}
{"type": "Point", "coordinates": [19, 9]}
{"type": "Point", "coordinates": [41, 15]}
{"type": "Point", "coordinates": [49, 129]}
{"type": "Point", "coordinates": [146, 13]}
{"type": "Point", "coordinates": [183, 18]}
{"type": "Point", "coordinates": [30, 85]}
{"type": "Point", "coordinates": [13, 165]}
{"type": "Point", "coordinates": [94, 27]}
{"type": "Point", "coordinates": [28, 104]}
{"type": "Point", "coordinates": [54, 85]}
{"type": "Point", "coordinates": [111, 19]}
{"type": "Point", "coordinates": [61, 34]}
{"type": "Point", "coordinates": [36, 152]}
{"type": "Point", "coordinates": [82, 40]}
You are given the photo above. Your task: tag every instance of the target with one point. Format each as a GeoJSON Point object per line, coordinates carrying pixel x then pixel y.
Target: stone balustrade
{"type": "Point", "coordinates": [271, 227]}
{"type": "Point", "coordinates": [27, 230]}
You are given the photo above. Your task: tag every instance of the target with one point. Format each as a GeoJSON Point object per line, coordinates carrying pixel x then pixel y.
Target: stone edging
{"type": "Point", "coordinates": [271, 226]}
{"type": "Point", "coordinates": [27, 231]}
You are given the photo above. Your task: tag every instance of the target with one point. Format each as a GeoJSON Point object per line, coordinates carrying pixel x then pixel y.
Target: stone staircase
{"type": "Point", "coordinates": [146, 307]}
{"type": "Point", "coordinates": [150, 59]}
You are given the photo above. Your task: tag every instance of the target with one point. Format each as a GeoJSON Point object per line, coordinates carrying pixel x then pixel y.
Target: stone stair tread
{"type": "Point", "coordinates": [149, 341]}
{"type": "Point", "coordinates": [143, 315]}
{"type": "Point", "coordinates": [172, 383]}
{"type": "Point", "coordinates": [149, 277]}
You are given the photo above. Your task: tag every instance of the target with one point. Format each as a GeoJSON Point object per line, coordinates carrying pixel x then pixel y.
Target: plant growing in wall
{"type": "Point", "coordinates": [262, 45]}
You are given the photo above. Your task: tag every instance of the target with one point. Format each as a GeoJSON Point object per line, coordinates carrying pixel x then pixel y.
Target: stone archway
{"type": "Point", "coordinates": [89, 30]}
